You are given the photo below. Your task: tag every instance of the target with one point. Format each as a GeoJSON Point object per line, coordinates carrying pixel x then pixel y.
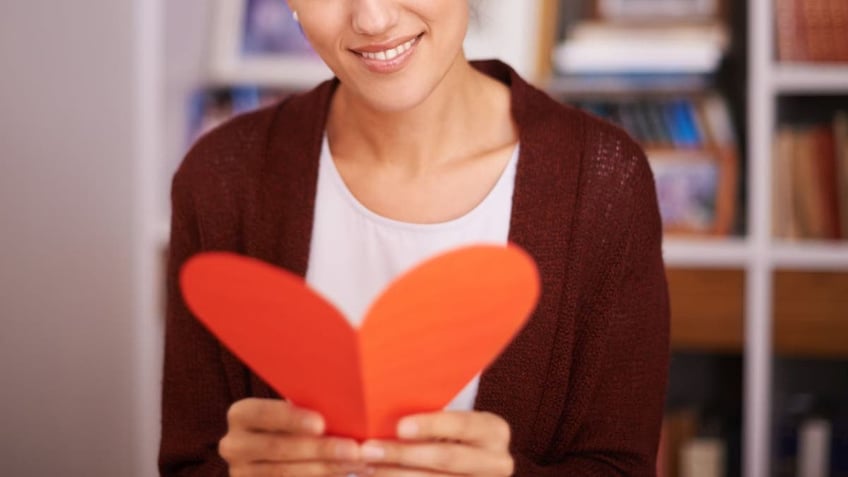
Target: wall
{"type": "Point", "coordinates": [66, 156]}
{"type": "Point", "coordinates": [506, 29]}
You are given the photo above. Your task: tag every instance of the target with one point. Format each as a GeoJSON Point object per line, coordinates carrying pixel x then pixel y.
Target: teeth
{"type": "Point", "coordinates": [391, 53]}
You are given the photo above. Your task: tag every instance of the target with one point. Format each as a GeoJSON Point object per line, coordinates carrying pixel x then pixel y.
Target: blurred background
{"type": "Point", "coordinates": [742, 106]}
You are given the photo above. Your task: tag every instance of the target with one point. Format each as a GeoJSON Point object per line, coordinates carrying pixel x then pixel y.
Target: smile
{"type": "Point", "coordinates": [390, 53]}
{"type": "Point", "coordinates": [387, 59]}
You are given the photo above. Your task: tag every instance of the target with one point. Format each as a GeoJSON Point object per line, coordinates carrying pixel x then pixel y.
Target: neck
{"type": "Point", "coordinates": [432, 132]}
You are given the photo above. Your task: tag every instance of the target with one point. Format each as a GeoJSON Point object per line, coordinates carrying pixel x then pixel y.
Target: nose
{"type": "Point", "coordinates": [373, 17]}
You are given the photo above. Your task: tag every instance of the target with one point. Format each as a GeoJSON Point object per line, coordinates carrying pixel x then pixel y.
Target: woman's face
{"type": "Point", "coordinates": [392, 54]}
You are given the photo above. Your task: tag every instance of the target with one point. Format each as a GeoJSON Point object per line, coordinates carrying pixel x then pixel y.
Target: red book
{"type": "Point", "coordinates": [825, 162]}
{"type": "Point", "coordinates": [787, 30]}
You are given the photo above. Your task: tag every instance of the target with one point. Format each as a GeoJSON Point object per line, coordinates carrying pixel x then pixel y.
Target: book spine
{"type": "Point", "coordinates": [814, 448]}
{"type": "Point", "coordinates": [801, 31]}
{"type": "Point", "coordinates": [786, 30]}
{"type": "Point", "coordinates": [783, 220]}
{"type": "Point", "coordinates": [825, 158]}
{"type": "Point", "coordinates": [840, 126]}
{"type": "Point", "coordinates": [703, 457]}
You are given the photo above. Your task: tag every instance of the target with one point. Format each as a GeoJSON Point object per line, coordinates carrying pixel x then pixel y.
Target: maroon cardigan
{"type": "Point", "coordinates": [582, 386]}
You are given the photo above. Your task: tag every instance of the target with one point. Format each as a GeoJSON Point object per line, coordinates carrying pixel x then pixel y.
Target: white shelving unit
{"type": "Point", "coordinates": [768, 81]}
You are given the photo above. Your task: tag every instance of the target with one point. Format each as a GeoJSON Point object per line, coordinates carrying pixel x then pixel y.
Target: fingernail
{"type": "Point", "coordinates": [313, 424]}
{"type": "Point", "coordinates": [407, 429]}
{"type": "Point", "coordinates": [372, 452]}
{"type": "Point", "coordinates": [346, 451]}
{"type": "Point", "coordinates": [360, 472]}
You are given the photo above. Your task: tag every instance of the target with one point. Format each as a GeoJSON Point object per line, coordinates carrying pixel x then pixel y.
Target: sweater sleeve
{"type": "Point", "coordinates": [195, 393]}
{"type": "Point", "coordinates": [613, 417]}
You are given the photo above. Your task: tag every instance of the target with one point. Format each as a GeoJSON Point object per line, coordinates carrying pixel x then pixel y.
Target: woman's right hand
{"type": "Point", "coordinates": [268, 437]}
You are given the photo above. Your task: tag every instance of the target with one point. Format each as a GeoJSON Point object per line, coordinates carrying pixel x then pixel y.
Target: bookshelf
{"type": "Point", "coordinates": [754, 294]}
{"type": "Point", "coordinates": [736, 293]}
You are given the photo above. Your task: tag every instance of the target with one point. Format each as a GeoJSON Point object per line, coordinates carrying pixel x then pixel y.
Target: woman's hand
{"type": "Point", "coordinates": [452, 443]}
{"type": "Point", "coordinates": [270, 437]}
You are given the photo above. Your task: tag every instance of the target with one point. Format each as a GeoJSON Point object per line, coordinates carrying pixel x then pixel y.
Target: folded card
{"type": "Point", "coordinates": [423, 339]}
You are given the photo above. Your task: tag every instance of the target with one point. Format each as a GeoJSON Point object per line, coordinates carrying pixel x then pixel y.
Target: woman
{"type": "Point", "coordinates": [412, 150]}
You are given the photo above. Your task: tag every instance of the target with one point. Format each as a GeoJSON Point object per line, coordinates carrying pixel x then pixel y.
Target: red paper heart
{"type": "Point", "coordinates": [422, 341]}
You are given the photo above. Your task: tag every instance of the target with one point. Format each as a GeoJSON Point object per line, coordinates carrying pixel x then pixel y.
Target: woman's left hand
{"type": "Point", "coordinates": [444, 443]}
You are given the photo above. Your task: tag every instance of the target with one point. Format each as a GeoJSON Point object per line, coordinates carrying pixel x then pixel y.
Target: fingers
{"type": "Point", "coordinates": [277, 438]}
{"type": "Point", "coordinates": [299, 469]}
{"type": "Point", "coordinates": [243, 447]}
{"type": "Point", "coordinates": [450, 458]}
{"type": "Point", "coordinates": [269, 415]}
{"type": "Point", "coordinates": [403, 472]}
{"type": "Point", "coordinates": [481, 429]}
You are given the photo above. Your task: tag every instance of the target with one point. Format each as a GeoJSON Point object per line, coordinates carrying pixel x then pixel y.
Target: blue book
{"type": "Point", "coordinates": [686, 112]}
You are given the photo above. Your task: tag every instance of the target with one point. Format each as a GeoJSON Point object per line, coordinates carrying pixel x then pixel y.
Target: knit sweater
{"type": "Point", "coordinates": [582, 385]}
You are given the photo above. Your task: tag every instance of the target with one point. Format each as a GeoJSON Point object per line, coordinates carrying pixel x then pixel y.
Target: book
{"type": "Point", "coordinates": [640, 10]}
{"type": "Point", "coordinates": [807, 203]}
{"type": "Point", "coordinates": [808, 184]}
{"type": "Point", "coordinates": [811, 30]}
{"type": "Point", "coordinates": [788, 29]}
{"type": "Point", "coordinates": [703, 457]}
{"type": "Point", "coordinates": [607, 48]}
{"type": "Point", "coordinates": [679, 427]}
{"type": "Point", "coordinates": [783, 216]}
{"type": "Point", "coordinates": [814, 436]}
{"type": "Point", "coordinates": [825, 164]}
{"type": "Point", "coordinates": [840, 132]}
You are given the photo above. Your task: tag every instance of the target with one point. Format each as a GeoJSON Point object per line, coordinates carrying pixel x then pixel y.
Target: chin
{"type": "Point", "coordinates": [395, 103]}
{"type": "Point", "coordinates": [392, 98]}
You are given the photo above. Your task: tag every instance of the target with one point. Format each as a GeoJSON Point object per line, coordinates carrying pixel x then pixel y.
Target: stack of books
{"type": "Point", "coordinates": [630, 49]}
{"type": "Point", "coordinates": [812, 30]}
{"type": "Point", "coordinates": [810, 189]}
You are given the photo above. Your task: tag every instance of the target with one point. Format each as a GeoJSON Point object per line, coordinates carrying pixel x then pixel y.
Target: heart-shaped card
{"type": "Point", "coordinates": [424, 338]}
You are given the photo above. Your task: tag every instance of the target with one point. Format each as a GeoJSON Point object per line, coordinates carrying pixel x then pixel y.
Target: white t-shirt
{"type": "Point", "coordinates": [356, 253]}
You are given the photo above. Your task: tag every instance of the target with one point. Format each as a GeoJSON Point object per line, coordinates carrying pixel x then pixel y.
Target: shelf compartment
{"type": "Point", "coordinates": [810, 78]}
{"type": "Point", "coordinates": [707, 307]}
{"type": "Point", "coordinates": [811, 313]}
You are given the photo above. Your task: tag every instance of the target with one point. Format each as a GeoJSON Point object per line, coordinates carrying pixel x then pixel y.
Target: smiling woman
{"type": "Point", "coordinates": [410, 151]}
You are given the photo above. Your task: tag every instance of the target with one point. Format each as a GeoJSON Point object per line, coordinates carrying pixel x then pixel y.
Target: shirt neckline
{"type": "Point", "coordinates": [506, 179]}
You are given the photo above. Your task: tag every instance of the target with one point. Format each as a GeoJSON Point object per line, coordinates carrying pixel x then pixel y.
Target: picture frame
{"type": "Point", "coordinates": [694, 192]}
{"type": "Point", "coordinates": [258, 42]}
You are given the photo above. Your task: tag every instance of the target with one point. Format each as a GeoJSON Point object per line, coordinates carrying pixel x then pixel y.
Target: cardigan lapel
{"type": "Point", "coordinates": [278, 224]}
{"type": "Point", "coordinates": [287, 176]}
{"type": "Point", "coordinates": [543, 209]}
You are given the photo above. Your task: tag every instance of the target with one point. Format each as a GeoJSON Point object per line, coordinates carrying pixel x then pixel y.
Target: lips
{"type": "Point", "coordinates": [387, 57]}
